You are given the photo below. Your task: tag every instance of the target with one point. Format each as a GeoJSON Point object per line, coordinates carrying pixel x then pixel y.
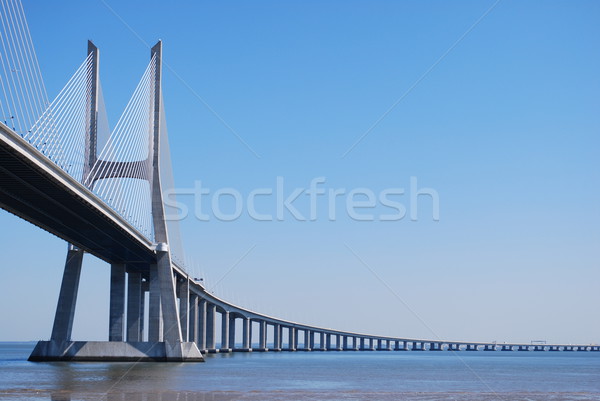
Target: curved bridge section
{"type": "Point", "coordinates": [266, 333]}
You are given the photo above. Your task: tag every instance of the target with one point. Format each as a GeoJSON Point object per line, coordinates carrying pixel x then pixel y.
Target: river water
{"type": "Point", "coordinates": [378, 375]}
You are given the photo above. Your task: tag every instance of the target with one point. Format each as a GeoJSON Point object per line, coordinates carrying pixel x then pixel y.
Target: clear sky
{"type": "Point", "coordinates": [496, 110]}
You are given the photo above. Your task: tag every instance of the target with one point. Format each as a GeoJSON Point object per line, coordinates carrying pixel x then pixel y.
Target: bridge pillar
{"type": "Point", "coordinates": [232, 331]}
{"type": "Point", "coordinates": [134, 306]}
{"type": "Point", "coordinates": [322, 341]}
{"type": "Point", "coordinates": [291, 339]}
{"type": "Point", "coordinates": [116, 321]}
{"type": "Point", "coordinates": [211, 311]}
{"type": "Point", "coordinates": [183, 293]}
{"type": "Point", "coordinates": [171, 324]}
{"type": "Point", "coordinates": [276, 337]}
{"type": "Point", "coordinates": [262, 332]}
{"type": "Point", "coordinates": [193, 329]}
{"type": "Point", "coordinates": [328, 341]}
{"type": "Point", "coordinates": [355, 343]}
{"type": "Point", "coordinates": [67, 299]}
{"type": "Point", "coordinates": [225, 332]}
{"type": "Point", "coordinates": [307, 337]}
{"type": "Point", "coordinates": [250, 332]}
{"type": "Point", "coordinates": [295, 334]}
{"type": "Point", "coordinates": [202, 318]}
{"type": "Point", "coordinates": [155, 322]}
{"type": "Point", "coordinates": [311, 339]}
{"type": "Point", "coordinates": [246, 334]}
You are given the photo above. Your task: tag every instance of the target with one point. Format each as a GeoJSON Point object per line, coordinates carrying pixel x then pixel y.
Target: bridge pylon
{"type": "Point", "coordinates": [129, 339]}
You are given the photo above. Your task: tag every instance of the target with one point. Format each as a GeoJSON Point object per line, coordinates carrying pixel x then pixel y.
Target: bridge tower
{"type": "Point", "coordinates": [126, 332]}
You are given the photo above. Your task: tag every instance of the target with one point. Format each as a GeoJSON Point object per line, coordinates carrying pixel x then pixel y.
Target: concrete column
{"type": "Point", "coordinates": [155, 323]}
{"type": "Point", "coordinates": [355, 344]}
{"type": "Point", "coordinates": [246, 334]}
{"type": "Point", "coordinates": [263, 335]}
{"type": "Point", "coordinates": [202, 324]}
{"type": "Point", "coordinates": [193, 331]}
{"type": "Point", "coordinates": [67, 299]}
{"type": "Point", "coordinates": [345, 342]}
{"type": "Point", "coordinates": [231, 332]}
{"type": "Point", "coordinates": [277, 337]}
{"type": "Point", "coordinates": [371, 344]}
{"type": "Point", "coordinates": [307, 340]}
{"type": "Point", "coordinates": [338, 342]}
{"type": "Point", "coordinates": [211, 311]}
{"type": "Point", "coordinates": [183, 292]}
{"type": "Point", "coordinates": [143, 307]}
{"type": "Point", "coordinates": [250, 333]}
{"type": "Point", "coordinates": [225, 331]}
{"type": "Point", "coordinates": [116, 319]}
{"type": "Point", "coordinates": [291, 339]}
{"type": "Point", "coordinates": [311, 342]}
{"type": "Point", "coordinates": [168, 300]}
{"type": "Point", "coordinates": [134, 306]}
{"type": "Point", "coordinates": [322, 341]}
{"type": "Point", "coordinates": [327, 341]}
{"type": "Point", "coordinates": [362, 343]}
{"type": "Point", "coordinates": [296, 334]}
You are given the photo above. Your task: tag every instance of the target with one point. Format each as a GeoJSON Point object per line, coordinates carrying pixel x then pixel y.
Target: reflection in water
{"type": "Point", "coordinates": [137, 396]}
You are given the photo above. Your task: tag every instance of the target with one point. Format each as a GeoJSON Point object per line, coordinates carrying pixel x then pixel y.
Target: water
{"type": "Point", "coordinates": [310, 376]}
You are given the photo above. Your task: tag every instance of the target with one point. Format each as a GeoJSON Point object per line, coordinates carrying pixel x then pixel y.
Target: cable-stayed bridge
{"type": "Point", "coordinates": [63, 169]}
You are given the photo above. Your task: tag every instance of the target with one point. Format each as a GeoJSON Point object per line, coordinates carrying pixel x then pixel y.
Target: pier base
{"type": "Point", "coordinates": [115, 351]}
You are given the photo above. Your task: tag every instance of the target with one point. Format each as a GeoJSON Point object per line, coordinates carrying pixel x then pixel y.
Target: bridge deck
{"type": "Point", "coordinates": [37, 190]}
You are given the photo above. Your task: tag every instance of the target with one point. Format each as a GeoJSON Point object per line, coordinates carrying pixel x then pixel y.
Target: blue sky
{"type": "Point", "coordinates": [505, 128]}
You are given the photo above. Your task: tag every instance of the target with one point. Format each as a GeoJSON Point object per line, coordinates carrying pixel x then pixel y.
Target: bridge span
{"type": "Point", "coordinates": [205, 308]}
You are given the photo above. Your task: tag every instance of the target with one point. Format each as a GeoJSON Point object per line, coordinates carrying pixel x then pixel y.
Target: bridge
{"type": "Point", "coordinates": [63, 170]}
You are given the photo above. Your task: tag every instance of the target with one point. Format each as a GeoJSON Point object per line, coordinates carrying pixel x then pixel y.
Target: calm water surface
{"type": "Point", "coordinates": [310, 376]}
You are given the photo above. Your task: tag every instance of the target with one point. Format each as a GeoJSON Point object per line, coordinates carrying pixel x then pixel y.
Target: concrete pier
{"type": "Point", "coordinates": [67, 299]}
{"type": "Point", "coordinates": [211, 341]}
{"type": "Point", "coordinates": [262, 336]}
{"type": "Point", "coordinates": [118, 351]}
{"type": "Point", "coordinates": [135, 316]}
{"type": "Point", "coordinates": [116, 320]}
{"type": "Point", "coordinates": [277, 338]}
{"type": "Point", "coordinates": [202, 323]}
{"type": "Point", "coordinates": [225, 332]}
